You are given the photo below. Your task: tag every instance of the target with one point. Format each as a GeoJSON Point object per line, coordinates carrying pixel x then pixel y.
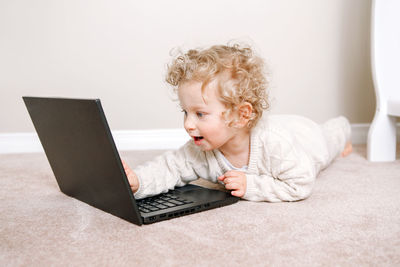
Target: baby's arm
{"type": "Point", "coordinates": [164, 172]}
{"type": "Point", "coordinates": [266, 187]}
{"type": "Point", "coordinates": [271, 189]}
{"type": "Point", "coordinates": [289, 175]}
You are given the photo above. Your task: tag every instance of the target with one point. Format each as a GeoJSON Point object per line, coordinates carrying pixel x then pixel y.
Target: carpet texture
{"type": "Point", "coordinates": [351, 219]}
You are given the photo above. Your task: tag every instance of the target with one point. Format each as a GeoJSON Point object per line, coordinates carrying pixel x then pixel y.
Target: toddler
{"type": "Point", "coordinates": [222, 92]}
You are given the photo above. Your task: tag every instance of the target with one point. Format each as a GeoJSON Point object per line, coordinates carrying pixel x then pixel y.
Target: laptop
{"type": "Point", "coordinates": [82, 154]}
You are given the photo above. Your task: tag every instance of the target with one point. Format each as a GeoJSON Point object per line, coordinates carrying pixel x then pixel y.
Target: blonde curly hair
{"type": "Point", "coordinates": [240, 72]}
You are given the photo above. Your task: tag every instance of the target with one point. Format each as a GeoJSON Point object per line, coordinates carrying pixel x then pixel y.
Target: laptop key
{"type": "Point", "coordinates": [152, 208]}
{"type": "Point", "coordinates": [177, 202]}
{"type": "Point", "coordinates": [161, 206]}
{"type": "Point", "coordinates": [169, 204]}
{"type": "Point", "coordinates": [144, 209]}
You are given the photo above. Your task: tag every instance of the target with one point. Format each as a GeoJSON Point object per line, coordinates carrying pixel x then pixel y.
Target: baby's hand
{"type": "Point", "coordinates": [132, 178]}
{"type": "Point", "coordinates": [235, 181]}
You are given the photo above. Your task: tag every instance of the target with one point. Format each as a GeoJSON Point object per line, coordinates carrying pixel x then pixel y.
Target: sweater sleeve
{"type": "Point", "coordinates": [173, 168]}
{"type": "Point", "coordinates": [290, 175]}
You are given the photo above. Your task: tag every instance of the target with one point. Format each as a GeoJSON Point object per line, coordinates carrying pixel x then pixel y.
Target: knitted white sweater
{"type": "Point", "coordinates": [287, 153]}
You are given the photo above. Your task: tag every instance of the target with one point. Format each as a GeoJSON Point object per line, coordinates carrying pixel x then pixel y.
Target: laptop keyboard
{"type": "Point", "coordinates": [161, 202]}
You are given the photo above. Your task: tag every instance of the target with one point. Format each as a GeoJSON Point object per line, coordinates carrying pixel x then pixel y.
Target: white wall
{"type": "Point", "coordinates": [317, 50]}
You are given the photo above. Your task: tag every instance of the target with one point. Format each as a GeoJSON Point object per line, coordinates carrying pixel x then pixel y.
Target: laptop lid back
{"type": "Point", "coordinates": [81, 151]}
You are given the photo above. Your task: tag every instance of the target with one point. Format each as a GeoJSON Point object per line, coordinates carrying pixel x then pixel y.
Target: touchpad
{"type": "Point", "coordinates": [186, 188]}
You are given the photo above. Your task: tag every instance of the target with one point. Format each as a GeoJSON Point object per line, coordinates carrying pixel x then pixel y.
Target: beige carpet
{"type": "Point", "coordinates": [352, 219]}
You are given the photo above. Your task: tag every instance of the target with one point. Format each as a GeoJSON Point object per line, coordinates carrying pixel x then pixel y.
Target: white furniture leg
{"type": "Point", "coordinates": [382, 138]}
{"type": "Point", "coordinates": [385, 66]}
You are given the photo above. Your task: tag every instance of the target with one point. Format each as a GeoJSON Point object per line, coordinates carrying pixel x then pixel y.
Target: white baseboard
{"type": "Point", "coordinates": [124, 140]}
{"type": "Point", "coordinates": [140, 139]}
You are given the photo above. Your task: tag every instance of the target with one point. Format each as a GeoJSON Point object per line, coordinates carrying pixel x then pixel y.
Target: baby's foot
{"type": "Point", "coordinates": [347, 150]}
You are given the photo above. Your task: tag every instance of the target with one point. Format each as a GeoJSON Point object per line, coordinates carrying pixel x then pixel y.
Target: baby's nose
{"type": "Point", "coordinates": [189, 125]}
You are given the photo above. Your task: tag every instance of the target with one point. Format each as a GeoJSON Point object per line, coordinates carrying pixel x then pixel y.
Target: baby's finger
{"type": "Point", "coordinates": [230, 174]}
{"type": "Point", "coordinates": [237, 193]}
{"type": "Point", "coordinates": [232, 179]}
{"type": "Point", "coordinates": [232, 186]}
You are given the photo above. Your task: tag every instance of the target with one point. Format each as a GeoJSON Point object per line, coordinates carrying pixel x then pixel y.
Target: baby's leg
{"type": "Point", "coordinates": [337, 133]}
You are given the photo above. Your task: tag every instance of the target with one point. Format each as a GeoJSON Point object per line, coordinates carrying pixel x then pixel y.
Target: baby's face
{"type": "Point", "coordinates": [203, 115]}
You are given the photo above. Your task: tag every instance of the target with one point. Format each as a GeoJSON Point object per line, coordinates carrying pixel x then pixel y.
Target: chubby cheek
{"type": "Point", "coordinates": [216, 137]}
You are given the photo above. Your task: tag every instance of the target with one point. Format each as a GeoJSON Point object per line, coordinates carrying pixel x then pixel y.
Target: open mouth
{"type": "Point", "coordinates": [197, 138]}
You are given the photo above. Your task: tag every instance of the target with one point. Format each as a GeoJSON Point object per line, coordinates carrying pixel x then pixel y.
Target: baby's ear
{"type": "Point", "coordinates": [244, 111]}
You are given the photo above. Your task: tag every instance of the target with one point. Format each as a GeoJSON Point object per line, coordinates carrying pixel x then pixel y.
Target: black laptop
{"type": "Point", "coordinates": [81, 151]}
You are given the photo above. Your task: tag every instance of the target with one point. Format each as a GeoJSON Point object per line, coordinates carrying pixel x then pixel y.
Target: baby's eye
{"type": "Point", "coordinates": [200, 114]}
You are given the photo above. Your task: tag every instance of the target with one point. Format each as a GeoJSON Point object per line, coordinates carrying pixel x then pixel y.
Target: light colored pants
{"type": "Point", "coordinates": [337, 132]}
